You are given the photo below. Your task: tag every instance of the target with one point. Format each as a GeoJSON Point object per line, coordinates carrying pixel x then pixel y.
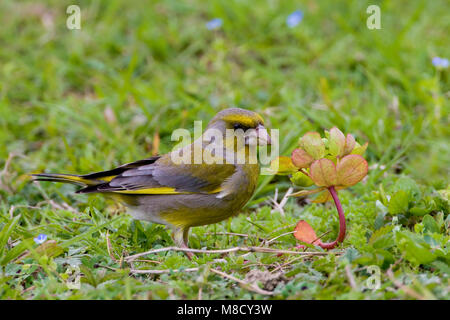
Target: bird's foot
{"type": "Point", "coordinates": [189, 254]}
{"type": "Point", "coordinates": [180, 237]}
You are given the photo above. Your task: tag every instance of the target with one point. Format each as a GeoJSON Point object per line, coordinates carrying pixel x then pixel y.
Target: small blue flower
{"type": "Point", "coordinates": [214, 24]}
{"type": "Point", "coordinates": [294, 18]}
{"type": "Point", "coordinates": [440, 62]}
{"type": "Point", "coordinates": [40, 238]}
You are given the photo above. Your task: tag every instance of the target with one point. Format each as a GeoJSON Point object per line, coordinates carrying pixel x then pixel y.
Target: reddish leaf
{"type": "Point", "coordinates": [301, 159]}
{"type": "Point", "coordinates": [351, 169]}
{"type": "Point", "coordinates": [336, 142]}
{"type": "Point", "coordinates": [305, 233]}
{"type": "Point", "coordinates": [323, 173]}
{"type": "Point", "coordinates": [349, 144]}
{"type": "Point", "coordinates": [282, 165]}
{"type": "Point", "coordinates": [313, 144]}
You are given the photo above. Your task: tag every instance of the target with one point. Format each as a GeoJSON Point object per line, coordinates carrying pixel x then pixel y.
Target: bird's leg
{"type": "Point", "coordinates": [180, 237]}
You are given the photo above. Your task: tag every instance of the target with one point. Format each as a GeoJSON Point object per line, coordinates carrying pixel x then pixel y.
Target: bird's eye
{"type": "Point", "coordinates": [239, 126]}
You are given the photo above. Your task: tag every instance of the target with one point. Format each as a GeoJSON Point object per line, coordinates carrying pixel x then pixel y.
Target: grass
{"type": "Point", "coordinates": [78, 101]}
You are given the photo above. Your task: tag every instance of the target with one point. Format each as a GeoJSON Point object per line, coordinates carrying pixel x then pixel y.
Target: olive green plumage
{"type": "Point", "coordinates": [176, 194]}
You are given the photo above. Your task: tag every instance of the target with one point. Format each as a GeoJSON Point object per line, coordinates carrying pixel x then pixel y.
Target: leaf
{"type": "Point", "coordinates": [283, 166]}
{"type": "Point", "coordinates": [336, 142]}
{"type": "Point", "coordinates": [379, 220]}
{"type": "Point", "coordinates": [382, 238]}
{"type": "Point", "coordinates": [439, 219]}
{"type": "Point", "coordinates": [414, 248]}
{"type": "Point", "coordinates": [88, 277]}
{"type": "Point", "coordinates": [360, 149]}
{"type": "Point", "coordinates": [302, 180]}
{"type": "Point", "coordinates": [88, 232]}
{"type": "Point", "coordinates": [430, 224]}
{"type": "Point", "coordinates": [442, 266]}
{"type": "Point", "coordinates": [6, 231]}
{"type": "Point", "coordinates": [323, 173]}
{"type": "Point", "coordinates": [407, 184]}
{"type": "Point", "coordinates": [420, 210]}
{"type": "Point", "coordinates": [49, 248]}
{"type": "Point", "coordinates": [303, 193]}
{"type": "Point", "coordinates": [349, 144]}
{"type": "Point", "coordinates": [313, 144]}
{"type": "Point", "coordinates": [350, 254]}
{"type": "Point", "coordinates": [301, 159]}
{"type": "Point", "coordinates": [323, 197]}
{"type": "Point", "coordinates": [383, 197]}
{"type": "Point", "coordinates": [305, 233]}
{"type": "Point", "coordinates": [351, 169]}
{"type": "Point", "coordinates": [17, 251]}
{"type": "Point", "coordinates": [399, 203]}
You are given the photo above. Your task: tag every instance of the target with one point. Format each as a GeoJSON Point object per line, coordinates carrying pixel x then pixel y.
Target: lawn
{"type": "Point", "coordinates": [79, 101]}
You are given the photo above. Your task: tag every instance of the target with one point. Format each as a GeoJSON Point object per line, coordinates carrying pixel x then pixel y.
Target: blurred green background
{"type": "Point", "coordinates": [78, 101]}
{"type": "Point", "coordinates": [157, 67]}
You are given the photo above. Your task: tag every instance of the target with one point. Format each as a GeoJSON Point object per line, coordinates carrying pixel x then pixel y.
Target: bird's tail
{"type": "Point", "coordinates": [91, 180]}
{"type": "Point", "coordinates": [65, 178]}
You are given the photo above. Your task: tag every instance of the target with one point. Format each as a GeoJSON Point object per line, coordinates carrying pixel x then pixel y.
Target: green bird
{"type": "Point", "coordinates": [185, 194]}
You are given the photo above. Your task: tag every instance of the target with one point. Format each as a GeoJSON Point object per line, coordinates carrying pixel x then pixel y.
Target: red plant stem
{"type": "Point", "coordinates": [304, 172]}
{"type": "Point", "coordinates": [342, 227]}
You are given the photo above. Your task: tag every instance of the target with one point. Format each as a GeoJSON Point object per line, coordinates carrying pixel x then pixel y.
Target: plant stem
{"type": "Point", "coordinates": [342, 226]}
{"type": "Point", "coordinates": [304, 172]}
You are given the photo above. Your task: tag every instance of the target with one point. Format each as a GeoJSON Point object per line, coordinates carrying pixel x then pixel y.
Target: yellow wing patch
{"type": "Point", "coordinates": [162, 190]}
{"type": "Point", "coordinates": [107, 179]}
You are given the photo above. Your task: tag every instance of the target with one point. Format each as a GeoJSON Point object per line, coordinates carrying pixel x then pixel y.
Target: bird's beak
{"type": "Point", "coordinates": [263, 135]}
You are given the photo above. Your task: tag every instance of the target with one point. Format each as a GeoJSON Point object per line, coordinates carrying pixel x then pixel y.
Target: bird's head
{"type": "Point", "coordinates": [251, 124]}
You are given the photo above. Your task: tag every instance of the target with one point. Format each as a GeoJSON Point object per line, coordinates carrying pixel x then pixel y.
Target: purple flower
{"type": "Point", "coordinates": [440, 62]}
{"type": "Point", "coordinates": [294, 18]}
{"type": "Point", "coordinates": [40, 238]}
{"type": "Point", "coordinates": [214, 24]}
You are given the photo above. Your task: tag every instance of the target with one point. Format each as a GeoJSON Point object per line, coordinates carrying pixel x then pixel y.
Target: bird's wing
{"type": "Point", "coordinates": [162, 176]}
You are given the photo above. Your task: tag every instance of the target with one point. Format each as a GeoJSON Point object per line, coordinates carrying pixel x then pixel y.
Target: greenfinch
{"type": "Point", "coordinates": [181, 195]}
